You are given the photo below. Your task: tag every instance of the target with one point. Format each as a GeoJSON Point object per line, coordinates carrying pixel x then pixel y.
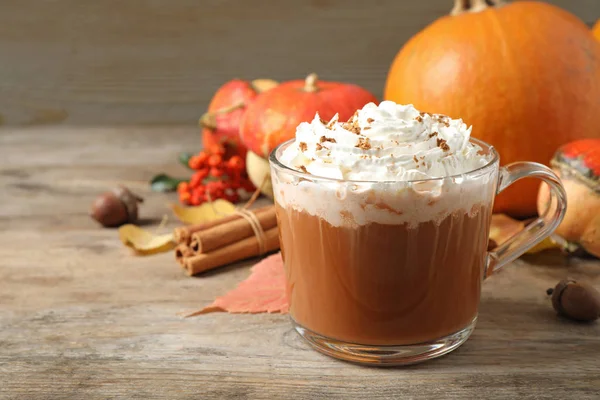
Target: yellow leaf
{"type": "Point", "coordinates": [504, 227]}
{"type": "Point", "coordinates": [204, 213]}
{"type": "Point", "coordinates": [545, 244]}
{"type": "Point", "coordinates": [144, 242]}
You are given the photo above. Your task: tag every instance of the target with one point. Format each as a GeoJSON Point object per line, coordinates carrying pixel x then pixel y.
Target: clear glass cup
{"type": "Point", "coordinates": [390, 273]}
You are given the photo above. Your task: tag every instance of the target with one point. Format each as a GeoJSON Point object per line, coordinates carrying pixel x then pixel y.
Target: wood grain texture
{"type": "Point", "coordinates": [82, 318]}
{"type": "Point", "coordinates": [85, 62]}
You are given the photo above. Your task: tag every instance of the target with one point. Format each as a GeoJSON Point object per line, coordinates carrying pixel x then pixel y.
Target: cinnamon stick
{"type": "Point", "coordinates": [222, 235]}
{"type": "Point", "coordinates": [183, 251]}
{"type": "Point", "coordinates": [237, 251]}
{"type": "Point", "coordinates": [194, 245]}
{"type": "Point", "coordinates": [183, 234]}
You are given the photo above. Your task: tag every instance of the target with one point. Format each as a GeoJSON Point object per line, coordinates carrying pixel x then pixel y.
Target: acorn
{"type": "Point", "coordinates": [579, 301]}
{"type": "Point", "coordinates": [116, 207]}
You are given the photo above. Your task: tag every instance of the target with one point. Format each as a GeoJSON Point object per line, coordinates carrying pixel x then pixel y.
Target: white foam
{"type": "Point", "coordinates": [402, 144]}
{"type": "Point", "coordinates": [403, 148]}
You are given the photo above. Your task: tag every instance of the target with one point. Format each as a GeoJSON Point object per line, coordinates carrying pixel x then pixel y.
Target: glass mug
{"type": "Point", "coordinates": [375, 284]}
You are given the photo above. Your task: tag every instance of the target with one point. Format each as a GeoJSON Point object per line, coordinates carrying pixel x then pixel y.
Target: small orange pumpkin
{"type": "Point", "coordinates": [273, 117]}
{"type": "Point", "coordinates": [578, 166]}
{"type": "Point", "coordinates": [526, 75]}
{"type": "Point", "coordinates": [221, 124]}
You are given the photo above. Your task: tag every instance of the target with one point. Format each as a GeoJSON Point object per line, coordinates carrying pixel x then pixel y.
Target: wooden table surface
{"type": "Point", "coordinates": [82, 318]}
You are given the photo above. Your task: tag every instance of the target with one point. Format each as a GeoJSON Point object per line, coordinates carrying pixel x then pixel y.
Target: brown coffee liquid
{"type": "Point", "coordinates": [384, 284]}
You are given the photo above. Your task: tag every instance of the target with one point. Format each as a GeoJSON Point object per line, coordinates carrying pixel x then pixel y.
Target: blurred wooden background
{"type": "Point", "coordinates": [84, 62]}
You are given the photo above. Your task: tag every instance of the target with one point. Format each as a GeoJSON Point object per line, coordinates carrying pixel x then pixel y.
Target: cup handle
{"type": "Point", "coordinates": [537, 230]}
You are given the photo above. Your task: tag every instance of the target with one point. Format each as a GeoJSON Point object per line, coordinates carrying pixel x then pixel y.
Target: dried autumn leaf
{"type": "Point", "coordinates": [144, 242]}
{"type": "Point", "coordinates": [203, 213]}
{"type": "Point", "coordinates": [263, 291]}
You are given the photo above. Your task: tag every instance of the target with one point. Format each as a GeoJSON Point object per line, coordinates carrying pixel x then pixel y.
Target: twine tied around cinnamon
{"type": "Point", "coordinates": [259, 232]}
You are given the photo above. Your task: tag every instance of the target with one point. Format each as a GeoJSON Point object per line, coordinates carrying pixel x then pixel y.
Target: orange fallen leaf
{"type": "Point", "coordinates": [144, 242]}
{"type": "Point", "coordinates": [263, 291]}
{"type": "Point", "coordinates": [204, 213]}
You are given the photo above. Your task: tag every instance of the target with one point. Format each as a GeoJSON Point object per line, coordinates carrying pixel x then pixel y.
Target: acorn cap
{"type": "Point", "coordinates": [130, 201]}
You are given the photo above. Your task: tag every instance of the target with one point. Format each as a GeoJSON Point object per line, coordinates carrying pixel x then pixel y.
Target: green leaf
{"type": "Point", "coordinates": [184, 158]}
{"type": "Point", "coordinates": [165, 183]}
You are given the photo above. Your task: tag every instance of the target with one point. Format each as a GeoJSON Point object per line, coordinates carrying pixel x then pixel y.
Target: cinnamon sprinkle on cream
{"type": "Point", "coordinates": [442, 144]}
{"type": "Point", "coordinates": [442, 119]}
{"type": "Point", "coordinates": [351, 127]}
{"type": "Point", "coordinates": [319, 147]}
{"type": "Point", "coordinates": [326, 139]}
{"type": "Point", "coordinates": [419, 118]}
{"type": "Point", "coordinates": [303, 147]}
{"type": "Point", "coordinates": [363, 143]}
{"type": "Point", "coordinates": [370, 120]}
{"type": "Point", "coordinates": [303, 169]}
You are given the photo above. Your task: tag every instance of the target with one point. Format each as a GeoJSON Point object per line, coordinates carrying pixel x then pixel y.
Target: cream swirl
{"type": "Point", "coordinates": [389, 142]}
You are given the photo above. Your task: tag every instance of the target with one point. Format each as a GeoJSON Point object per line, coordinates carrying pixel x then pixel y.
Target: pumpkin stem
{"type": "Point", "coordinates": [464, 6]}
{"type": "Point", "coordinates": [310, 84]}
{"type": "Point", "coordinates": [209, 119]}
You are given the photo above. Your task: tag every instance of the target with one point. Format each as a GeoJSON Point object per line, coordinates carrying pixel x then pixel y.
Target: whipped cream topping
{"type": "Point", "coordinates": [389, 142]}
{"type": "Point", "coordinates": [380, 161]}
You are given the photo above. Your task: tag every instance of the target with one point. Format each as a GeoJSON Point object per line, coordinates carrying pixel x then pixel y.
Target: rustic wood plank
{"type": "Point", "coordinates": [154, 62]}
{"type": "Point", "coordinates": [80, 317]}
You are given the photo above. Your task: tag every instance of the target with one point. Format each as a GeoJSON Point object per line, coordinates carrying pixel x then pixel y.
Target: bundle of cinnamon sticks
{"type": "Point", "coordinates": [233, 238]}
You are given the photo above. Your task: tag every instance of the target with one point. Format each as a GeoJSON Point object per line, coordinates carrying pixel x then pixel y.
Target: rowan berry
{"type": "Point", "coordinates": [217, 149]}
{"type": "Point", "coordinates": [184, 197]}
{"type": "Point", "coordinates": [196, 180]}
{"type": "Point", "coordinates": [216, 172]}
{"type": "Point", "coordinates": [215, 160]}
{"type": "Point", "coordinates": [235, 163]}
{"type": "Point", "coordinates": [183, 187]}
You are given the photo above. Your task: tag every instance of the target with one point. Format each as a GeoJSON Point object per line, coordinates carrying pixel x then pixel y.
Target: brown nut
{"type": "Point", "coordinates": [576, 300]}
{"type": "Point", "coordinates": [116, 207]}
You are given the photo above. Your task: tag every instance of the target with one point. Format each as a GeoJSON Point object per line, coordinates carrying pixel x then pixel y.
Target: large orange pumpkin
{"type": "Point", "coordinates": [526, 75]}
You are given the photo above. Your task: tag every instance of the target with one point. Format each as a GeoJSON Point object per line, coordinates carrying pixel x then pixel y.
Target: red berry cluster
{"type": "Point", "coordinates": [216, 177]}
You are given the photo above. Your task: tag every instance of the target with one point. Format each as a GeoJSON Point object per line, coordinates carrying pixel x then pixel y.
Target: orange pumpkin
{"type": "Point", "coordinates": [596, 30]}
{"type": "Point", "coordinates": [273, 117]}
{"type": "Point", "coordinates": [221, 124]}
{"type": "Point", "coordinates": [578, 166]}
{"type": "Point", "coordinates": [525, 75]}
